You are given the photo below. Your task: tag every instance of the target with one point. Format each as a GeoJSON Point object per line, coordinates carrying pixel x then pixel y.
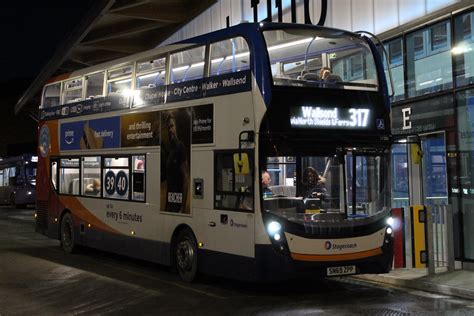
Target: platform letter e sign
{"type": "Point", "coordinates": [406, 112]}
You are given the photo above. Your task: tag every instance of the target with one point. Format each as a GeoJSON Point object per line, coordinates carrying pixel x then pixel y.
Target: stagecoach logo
{"type": "Point", "coordinates": [237, 225]}
{"type": "Point", "coordinates": [44, 143]}
{"type": "Point", "coordinates": [328, 246]}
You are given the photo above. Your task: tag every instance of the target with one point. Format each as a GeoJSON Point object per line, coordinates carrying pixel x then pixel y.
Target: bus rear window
{"type": "Point", "coordinates": [326, 59]}
{"type": "Point", "coordinates": [51, 95]}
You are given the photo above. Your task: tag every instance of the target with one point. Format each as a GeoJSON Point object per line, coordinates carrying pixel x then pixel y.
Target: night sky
{"type": "Point", "coordinates": [30, 32]}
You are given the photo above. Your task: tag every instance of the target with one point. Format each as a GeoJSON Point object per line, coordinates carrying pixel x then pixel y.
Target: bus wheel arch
{"type": "Point", "coordinates": [184, 253]}
{"type": "Point", "coordinates": [66, 232]}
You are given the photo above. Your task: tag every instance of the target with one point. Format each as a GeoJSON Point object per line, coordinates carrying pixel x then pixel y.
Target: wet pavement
{"type": "Point", "coordinates": [37, 278]}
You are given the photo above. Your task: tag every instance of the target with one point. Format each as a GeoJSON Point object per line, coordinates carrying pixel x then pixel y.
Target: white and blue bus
{"type": "Point", "coordinates": [159, 155]}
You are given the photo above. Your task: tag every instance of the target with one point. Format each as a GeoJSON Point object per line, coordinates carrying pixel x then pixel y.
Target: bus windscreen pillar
{"type": "Point", "coordinates": [418, 224]}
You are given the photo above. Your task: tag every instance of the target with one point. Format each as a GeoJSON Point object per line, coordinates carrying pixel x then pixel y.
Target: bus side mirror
{"type": "Point", "coordinates": [241, 163]}
{"type": "Point", "coordinates": [416, 153]}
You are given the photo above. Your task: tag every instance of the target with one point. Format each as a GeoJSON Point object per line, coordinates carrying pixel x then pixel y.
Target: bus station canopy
{"type": "Point", "coordinates": [109, 30]}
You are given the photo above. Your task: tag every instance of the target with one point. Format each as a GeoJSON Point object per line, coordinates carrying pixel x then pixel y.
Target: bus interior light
{"type": "Point", "coordinates": [200, 244]}
{"type": "Point", "coordinates": [132, 232]}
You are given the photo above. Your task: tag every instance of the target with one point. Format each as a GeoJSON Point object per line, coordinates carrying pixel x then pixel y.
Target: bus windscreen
{"type": "Point", "coordinates": [301, 57]}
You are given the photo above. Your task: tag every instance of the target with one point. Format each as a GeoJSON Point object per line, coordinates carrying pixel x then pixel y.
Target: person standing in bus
{"type": "Point", "coordinates": [176, 170]}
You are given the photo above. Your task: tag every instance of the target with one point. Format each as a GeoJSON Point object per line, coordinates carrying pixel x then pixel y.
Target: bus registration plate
{"type": "Point", "coordinates": [341, 270]}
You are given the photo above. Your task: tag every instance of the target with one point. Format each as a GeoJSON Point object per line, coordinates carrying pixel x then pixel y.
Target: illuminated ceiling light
{"type": "Point", "coordinates": [238, 55]}
{"type": "Point", "coordinates": [197, 64]}
{"type": "Point", "coordinates": [217, 60]}
{"type": "Point", "coordinates": [289, 44]}
{"type": "Point", "coordinates": [122, 81]}
{"type": "Point", "coordinates": [154, 74]}
{"type": "Point", "coordinates": [181, 68]}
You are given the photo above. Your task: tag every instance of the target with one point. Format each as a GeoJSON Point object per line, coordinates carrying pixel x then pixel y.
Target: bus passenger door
{"type": "Point", "coordinates": [234, 204]}
{"type": "Point", "coordinates": [53, 186]}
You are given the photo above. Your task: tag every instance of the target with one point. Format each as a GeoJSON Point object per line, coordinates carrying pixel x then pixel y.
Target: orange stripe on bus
{"type": "Point", "coordinates": [79, 210]}
{"type": "Point", "coordinates": [339, 257]}
{"type": "Point", "coordinates": [58, 78]}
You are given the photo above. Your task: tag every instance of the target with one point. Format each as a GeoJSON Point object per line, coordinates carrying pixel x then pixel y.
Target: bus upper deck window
{"type": "Point", "coordinates": [229, 56]}
{"type": "Point", "coordinates": [119, 80]}
{"type": "Point", "coordinates": [151, 73]}
{"type": "Point", "coordinates": [187, 65]}
{"type": "Point", "coordinates": [51, 95]}
{"type": "Point", "coordinates": [95, 85]}
{"type": "Point", "coordinates": [72, 90]}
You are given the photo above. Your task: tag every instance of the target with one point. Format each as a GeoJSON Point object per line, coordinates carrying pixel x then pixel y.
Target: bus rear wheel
{"type": "Point", "coordinates": [185, 255]}
{"type": "Point", "coordinates": [67, 234]}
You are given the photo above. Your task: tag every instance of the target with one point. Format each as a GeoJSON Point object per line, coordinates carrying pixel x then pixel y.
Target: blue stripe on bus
{"type": "Point", "coordinates": [195, 89]}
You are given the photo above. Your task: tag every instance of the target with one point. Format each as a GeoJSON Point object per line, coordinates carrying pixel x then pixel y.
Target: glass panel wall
{"type": "Point", "coordinates": [394, 49]}
{"type": "Point", "coordinates": [463, 50]}
{"type": "Point", "coordinates": [429, 66]}
{"type": "Point", "coordinates": [465, 116]}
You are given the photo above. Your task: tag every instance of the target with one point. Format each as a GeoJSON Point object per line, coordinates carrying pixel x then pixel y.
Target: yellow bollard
{"type": "Point", "coordinates": [418, 239]}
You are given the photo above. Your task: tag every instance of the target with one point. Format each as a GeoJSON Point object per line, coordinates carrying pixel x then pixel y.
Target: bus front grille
{"type": "Point", "coordinates": [42, 215]}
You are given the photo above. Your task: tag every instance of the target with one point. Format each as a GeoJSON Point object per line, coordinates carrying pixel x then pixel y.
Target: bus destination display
{"type": "Point", "coordinates": [329, 117]}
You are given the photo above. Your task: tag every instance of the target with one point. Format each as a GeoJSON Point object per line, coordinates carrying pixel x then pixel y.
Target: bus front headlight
{"type": "Point", "coordinates": [274, 228]}
{"type": "Point", "coordinates": [390, 221]}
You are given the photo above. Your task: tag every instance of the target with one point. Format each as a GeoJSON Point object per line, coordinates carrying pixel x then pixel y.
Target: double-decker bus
{"type": "Point", "coordinates": [159, 155]}
{"type": "Point", "coordinates": [18, 180]}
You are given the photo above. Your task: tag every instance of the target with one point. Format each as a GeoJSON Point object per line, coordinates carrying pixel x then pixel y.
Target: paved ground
{"type": "Point", "coordinates": [37, 278]}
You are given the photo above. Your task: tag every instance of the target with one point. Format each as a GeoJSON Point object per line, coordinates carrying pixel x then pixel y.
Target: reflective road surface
{"type": "Point", "coordinates": [37, 278]}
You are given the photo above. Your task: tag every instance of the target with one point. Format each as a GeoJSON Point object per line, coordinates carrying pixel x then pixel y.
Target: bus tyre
{"type": "Point", "coordinates": [185, 255]}
{"type": "Point", "coordinates": [67, 234]}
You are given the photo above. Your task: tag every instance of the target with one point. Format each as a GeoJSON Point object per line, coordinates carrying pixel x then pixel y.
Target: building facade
{"type": "Point", "coordinates": [430, 46]}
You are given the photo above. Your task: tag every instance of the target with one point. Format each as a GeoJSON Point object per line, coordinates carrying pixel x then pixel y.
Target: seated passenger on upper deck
{"type": "Point", "coordinates": [313, 184]}
{"type": "Point", "coordinates": [266, 181]}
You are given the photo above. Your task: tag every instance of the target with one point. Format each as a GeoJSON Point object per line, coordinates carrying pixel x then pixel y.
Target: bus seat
{"type": "Point", "coordinates": [333, 78]}
{"type": "Point", "coordinates": [311, 76]}
{"type": "Point", "coordinates": [283, 190]}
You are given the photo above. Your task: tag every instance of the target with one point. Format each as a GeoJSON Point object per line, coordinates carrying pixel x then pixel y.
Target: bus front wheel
{"type": "Point", "coordinates": [67, 234]}
{"type": "Point", "coordinates": [185, 255]}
